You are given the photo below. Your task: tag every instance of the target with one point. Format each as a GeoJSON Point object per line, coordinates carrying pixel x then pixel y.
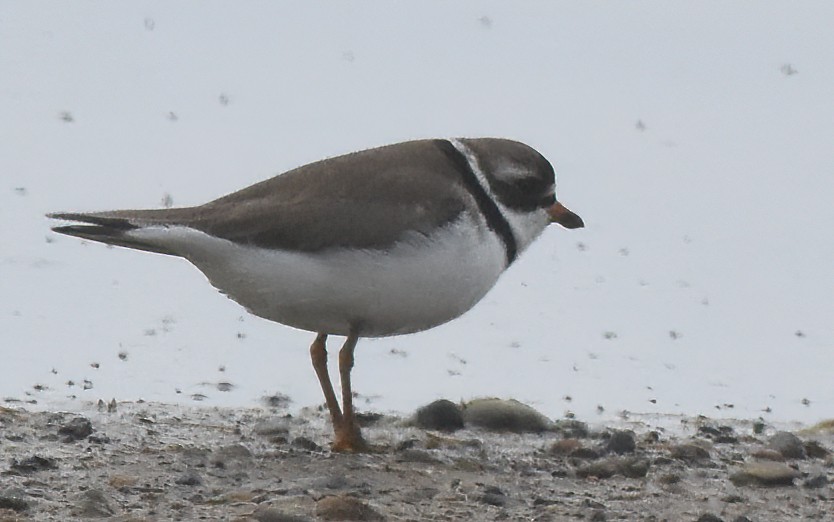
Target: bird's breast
{"type": "Point", "coordinates": [419, 282]}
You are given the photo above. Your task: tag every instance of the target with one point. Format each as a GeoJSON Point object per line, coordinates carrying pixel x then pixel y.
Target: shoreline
{"type": "Point", "coordinates": [152, 461]}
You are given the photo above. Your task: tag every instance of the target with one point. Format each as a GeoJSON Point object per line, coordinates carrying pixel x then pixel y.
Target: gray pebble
{"type": "Point", "coordinates": [504, 415]}
{"type": "Point", "coordinates": [571, 428]}
{"type": "Point", "coordinates": [621, 441]}
{"type": "Point", "coordinates": [306, 444]}
{"type": "Point", "coordinates": [93, 503]}
{"type": "Point", "coordinates": [189, 478]}
{"type": "Point", "coordinates": [493, 499]}
{"type": "Point", "coordinates": [788, 444]}
{"type": "Point", "coordinates": [598, 516]}
{"type": "Point", "coordinates": [442, 415]}
{"type": "Point", "coordinates": [345, 508]}
{"type": "Point", "coordinates": [815, 450]}
{"type": "Point", "coordinates": [229, 455]}
{"type": "Point", "coordinates": [274, 515]}
{"type": "Point", "coordinates": [689, 452]}
{"type": "Point", "coordinates": [14, 499]}
{"type": "Point", "coordinates": [630, 467]}
{"type": "Point", "coordinates": [816, 481]}
{"type": "Point", "coordinates": [33, 464]}
{"type": "Point", "coordinates": [272, 427]}
{"type": "Point", "coordinates": [76, 429]}
{"type": "Point", "coordinates": [719, 434]}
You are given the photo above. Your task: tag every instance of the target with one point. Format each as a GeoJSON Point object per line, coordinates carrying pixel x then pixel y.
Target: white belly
{"type": "Point", "coordinates": [422, 282]}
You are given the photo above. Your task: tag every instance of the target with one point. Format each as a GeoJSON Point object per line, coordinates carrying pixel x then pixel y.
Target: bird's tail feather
{"type": "Point", "coordinates": [114, 228]}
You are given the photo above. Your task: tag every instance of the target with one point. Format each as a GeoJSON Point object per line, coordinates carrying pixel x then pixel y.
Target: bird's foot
{"type": "Point", "coordinates": [349, 440]}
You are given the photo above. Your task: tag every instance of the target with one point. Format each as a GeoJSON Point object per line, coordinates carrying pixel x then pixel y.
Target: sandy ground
{"type": "Point", "coordinates": [141, 461]}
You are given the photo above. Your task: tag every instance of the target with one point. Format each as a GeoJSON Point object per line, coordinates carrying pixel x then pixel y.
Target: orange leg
{"type": "Point", "coordinates": [348, 435]}
{"type": "Point", "coordinates": [318, 353]}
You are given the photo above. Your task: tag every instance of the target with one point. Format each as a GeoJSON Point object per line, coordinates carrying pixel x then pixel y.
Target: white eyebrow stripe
{"type": "Point", "coordinates": [472, 159]}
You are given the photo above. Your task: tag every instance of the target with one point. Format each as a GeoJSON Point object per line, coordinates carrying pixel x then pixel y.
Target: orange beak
{"type": "Point", "coordinates": [560, 214]}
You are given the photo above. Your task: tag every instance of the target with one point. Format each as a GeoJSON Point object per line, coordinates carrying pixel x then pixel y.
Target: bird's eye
{"type": "Point", "coordinates": [548, 200]}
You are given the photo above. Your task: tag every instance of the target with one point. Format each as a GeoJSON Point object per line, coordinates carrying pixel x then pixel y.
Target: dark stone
{"type": "Point", "coordinates": [33, 464]}
{"type": "Point", "coordinates": [633, 467]}
{"type": "Point", "coordinates": [585, 453]}
{"type": "Point", "coordinates": [92, 503]}
{"type": "Point", "coordinates": [416, 455]}
{"type": "Point", "coordinates": [306, 444]}
{"type": "Point", "coordinates": [689, 453]}
{"type": "Point", "coordinates": [598, 516]}
{"type": "Point", "coordinates": [229, 455]}
{"type": "Point", "coordinates": [274, 515]}
{"type": "Point", "coordinates": [817, 481]}
{"type": "Point", "coordinates": [788, 444]}
{"type": "Point", "coordinates": [345, 508]}
{"type": "Point", "coordinates": [14, 499]}
{"type": "Point", "coordinates": [442, 415]}
{"type": "Point", "coordinates": [669, 478]}
{"type": "Point", "coordinates": [709, 517]}
{"type": "Point", "coordinates": [189, 478]}
{"type": "Point", "coordinates": [76, 429]}
{"type": "Point", "coordinates": [815, 450]}
{"type": "Point", "coordinates": [621, 442]}
{"type": "Point", "coordinates": [493, 500]}
{"type": "Point", "coordinates": [495, 490]}
{"type": "Point", "coordinates": [368, 419]}
{"type": "Point", "coordinates": [718, 434]}
{"type": "Point", "coordinates": [332, 482]}
{"type": "Point", "coordinates": [272, 427]}
{"type": "Point", "coordinates": [571, 428]}
{"type": "Point", "coordinates": [494, 496]}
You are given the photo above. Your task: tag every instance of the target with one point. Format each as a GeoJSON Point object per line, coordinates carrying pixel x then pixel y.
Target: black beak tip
{"type": "Point", "coordinates": [573, 221]}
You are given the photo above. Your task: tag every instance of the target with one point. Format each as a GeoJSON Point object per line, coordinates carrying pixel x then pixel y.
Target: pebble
{"type": "Point", "coordinates": [631, 467]}
{"type": "Point", "coordinates": [598, 515]}
{"type": "Point", "coordinates": [504, 415]}
{"type": "Point", "coordinates": [816, 481]}
{"type": "Point", "coordinates": [621, 441]}
{"type": "Point", "coordinates": [689, 452]}
{"type": "Point", "coordinates": [14, 499]}
{"type": "Point", "coordinates": [564, 447]}
{"type": "Point", "coordinates": [306, 444]}
{"type": "Point", "coordinates": [441, 415]}
{"type": "Point", "coordinates": [272, 428]}
{"type": "Point", "coordinates": [345, 508]}
{"type": "Point", "coordinates": [718, 434]}
{"type": "Point", "coordinates": [275, 515]}
{"type": "Point", "coordinates": [189, 478]}
{"type": "Point", "coordinates": [571, 428]}
{"type": "Point", "coordinates": [493, 499]}
{"type": "Point", "coordinates": [93, 503]}
{"type": "Point", "coordinates": [709, 517]}
{"type": "Point", "coordinates": [788, 444]}
{"type": "Point", "coordinates": [764, 473]}
{"type": "Point", "coordinates": [232, 454]}
{"type": "Point", "coordinates": [768, 454]}
{"type": "Point", "coordinates": [815, 450]}
{"type": "Point", "coordinates": [33, 464]}
{"type": "Point", "coordinates": [76, 429]}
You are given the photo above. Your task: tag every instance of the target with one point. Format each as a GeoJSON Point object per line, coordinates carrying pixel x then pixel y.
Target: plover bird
{"type": "Point", "coordinates": [382, 242]}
